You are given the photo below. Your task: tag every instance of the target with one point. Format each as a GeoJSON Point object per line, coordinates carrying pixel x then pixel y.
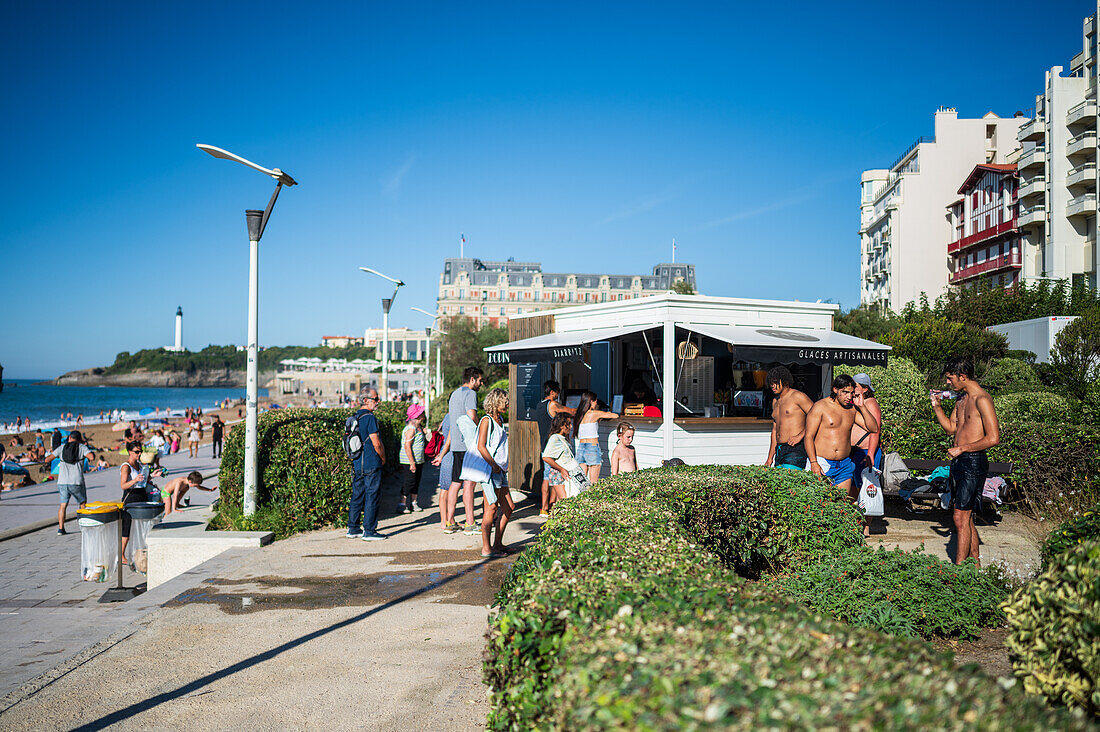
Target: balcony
{"type": "Point", "coordinates": [1032, 157]}
{"type": "Point", "coordinates": [1004, 261]}
{"type": "Point", "coordinates": [1082, 175]}
{"type": "Point", "coordinates": [1086, 111]}
{"type": "Point", "coordinates": [1033, 215]}
{"type": "Point", "coordinates": [1083, 205]}
{"type": "Point", "coordinates": [981, 236]}
{"type": "Point", "coordinates": [1036, 129]}
{"type": "Point", "coordinates": [1085, 143]}
{"type": "Point", "coordinates": [1036, 185]}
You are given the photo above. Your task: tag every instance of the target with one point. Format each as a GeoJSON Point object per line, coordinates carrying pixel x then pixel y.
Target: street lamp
{"type": "Point", "coordinates": [257, 222]}
{"type": "Point", "coordinates": [428, 359]}
{"type": "Point", "coordinates": [386, 303]}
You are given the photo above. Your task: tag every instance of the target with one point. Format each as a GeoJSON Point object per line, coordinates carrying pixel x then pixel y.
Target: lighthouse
{"type": "Point", "coordinates": [179, 329]}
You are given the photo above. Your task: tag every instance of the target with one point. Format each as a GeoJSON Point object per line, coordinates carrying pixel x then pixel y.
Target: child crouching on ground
{"type": "Point", "coordinates": [623, 459]}
{"type": "Point", "coordinates": [492, 445]}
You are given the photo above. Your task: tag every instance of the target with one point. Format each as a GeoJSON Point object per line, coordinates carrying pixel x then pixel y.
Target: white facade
{"type": "Point", "coordinates": [405, 344]}
{"type": "Point", "coordinates": [1058, 172]}
{"type": "Point", "coordinates": [1035, 335]}
{"type": "Point", "coordinates": [903, 230]}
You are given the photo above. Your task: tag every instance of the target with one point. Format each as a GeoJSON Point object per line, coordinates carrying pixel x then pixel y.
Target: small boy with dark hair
{"type": "Point", "coordinates": [174, 490]}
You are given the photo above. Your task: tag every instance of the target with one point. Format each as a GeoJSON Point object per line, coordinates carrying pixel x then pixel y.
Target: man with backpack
{"type": "Point", "coordinates": [363, 446]}
{"type": "Point", "coordinates": [70, 475]}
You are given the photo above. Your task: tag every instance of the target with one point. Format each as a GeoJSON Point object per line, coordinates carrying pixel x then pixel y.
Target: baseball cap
{"type": "Point", "coordinates": [414, 411]}
{"type": "Point", "coordinates": [863, 379]}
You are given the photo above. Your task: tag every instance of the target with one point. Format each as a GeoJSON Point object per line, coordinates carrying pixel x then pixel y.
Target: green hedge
{"type": "Point", "coordinates": [1077, 530]}
{"type": "Point", "coordinates": [1032, 406]}
{"type": "Point", "coordinates": [305, 478]}
{"type": "Point", "coordinates": [1054, 630]}
{"type": "Point", "coordinates": [623, 615]}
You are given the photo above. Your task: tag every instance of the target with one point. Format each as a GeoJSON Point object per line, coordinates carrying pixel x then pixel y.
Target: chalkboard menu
{"type": "Point", "coordinates": [528, 390]}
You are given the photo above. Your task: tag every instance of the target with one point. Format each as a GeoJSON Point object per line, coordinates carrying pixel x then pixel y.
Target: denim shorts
{"type": "Point", "coordinates": [589, 454]}
{"type": "Point", "coordinates": [78, 493]}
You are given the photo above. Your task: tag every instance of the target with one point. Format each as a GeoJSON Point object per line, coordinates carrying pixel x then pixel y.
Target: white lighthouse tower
{"type": "Point", "coordinates": [179, 329]}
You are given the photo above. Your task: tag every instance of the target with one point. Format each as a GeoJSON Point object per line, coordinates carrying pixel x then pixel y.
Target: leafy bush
{"type": "Point", "coordinates": [1075, 358]}
{"type": "Point", "coordinates": [901, 390]}
{"type": "Point", "coordinates": [1070, 533]}
{"type": "Point", "coordinates": [621, 617]}
{"type": "Point", "coordinates": [305, 478]}
{"type": "Point", "coordinates": [1054, 623]}
{"type": "Point", "coordinates": [1031, 406]}
{"type": "Point", "coordinates": [986, 306]}
{"type": "Point", "coordinates": [930, 342]}
{"type": "Point", "coordinates": [868, 323]}
{"type": "Point", "coordinates": [1008, 375]}
{"type": "Point", "coordinates": [901, 593]}
{"type": "Point", "coordinates": [1056, 466]}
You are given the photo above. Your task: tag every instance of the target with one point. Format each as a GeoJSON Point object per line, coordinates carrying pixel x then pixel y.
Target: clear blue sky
{"type": "Point", "coordinates": [583, 135]}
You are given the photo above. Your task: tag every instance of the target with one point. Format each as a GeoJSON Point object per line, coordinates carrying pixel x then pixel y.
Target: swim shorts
{"type": "Point", "coordinates": [967, 479]}
{"type": "Point", "coordinates": [792, 457]}
{"type": "Point", "coordinates": [456, 466]}
{"type": "Point", "coordinates": [837, 471]}
{"type": "Point", "coordinates": [861, 461]}
{"type": "Point", "coordinates": [589, 454]}
{"type": "Point", "coordinates": [555, 477]}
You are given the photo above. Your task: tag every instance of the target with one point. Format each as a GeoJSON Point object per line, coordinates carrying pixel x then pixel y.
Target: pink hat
{"type": "Point", "coordinates": [414, 411]}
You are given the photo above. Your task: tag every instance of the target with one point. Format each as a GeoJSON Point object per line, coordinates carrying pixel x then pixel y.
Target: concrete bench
{"type": "Point", "coordinates": [181, 542]}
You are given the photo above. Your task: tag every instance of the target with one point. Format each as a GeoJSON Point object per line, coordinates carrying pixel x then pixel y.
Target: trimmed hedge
{"type": "Point", "coordinates": [305, 478]}
{"type": "Point", "coordinates": [623, 615]}
{"type": "Point", "coordinates": [1069, 534]}
{"type": "Point", "coordinates": [1032, 406]}
{"type": "Point", "coordinates": [1054, 630]}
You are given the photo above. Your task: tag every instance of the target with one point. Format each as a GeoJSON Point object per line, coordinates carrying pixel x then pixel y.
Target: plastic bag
{"type": "Point", "coordinates": [98, 549]}
{"type": "Point", "coordinates": [871, 500]}
{"type": "Point", "coordinates": [136, 548]}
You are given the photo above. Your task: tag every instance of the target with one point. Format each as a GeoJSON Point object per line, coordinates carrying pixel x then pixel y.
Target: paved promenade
{"type": "Point", "coordinates": [315, 631]}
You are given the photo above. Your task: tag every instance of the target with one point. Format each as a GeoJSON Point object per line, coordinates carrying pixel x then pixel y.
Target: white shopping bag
{"type": "Point", "coordinates": [871, 501]}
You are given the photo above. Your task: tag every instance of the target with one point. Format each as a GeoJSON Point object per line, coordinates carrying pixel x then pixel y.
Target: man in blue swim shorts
{"type": "Point", "coordinates": [829, 433]}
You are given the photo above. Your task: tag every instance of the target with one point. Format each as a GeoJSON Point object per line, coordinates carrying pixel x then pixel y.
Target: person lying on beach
{"type": "Point", "coordinates": [174, 490]}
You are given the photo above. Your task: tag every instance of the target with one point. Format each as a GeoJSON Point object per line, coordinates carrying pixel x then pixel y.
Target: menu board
{"type": "Point", "coordinates": [528, 390]}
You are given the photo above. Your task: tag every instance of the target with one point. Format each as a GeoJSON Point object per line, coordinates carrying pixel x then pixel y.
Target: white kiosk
{"type": "Point", "coordinates": [713, 404]}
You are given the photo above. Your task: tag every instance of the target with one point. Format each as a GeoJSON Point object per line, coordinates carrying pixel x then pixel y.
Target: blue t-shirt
{"type": "Point", "coordinates": [368, 425]}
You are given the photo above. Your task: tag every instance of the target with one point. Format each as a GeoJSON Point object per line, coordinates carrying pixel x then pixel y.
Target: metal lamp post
{"type": "Point", "coordinates": [428, 356]}
{"type": "Point", "coordinates": [387, 302]}
{"type": "Point", "coordinates": [257, 222]}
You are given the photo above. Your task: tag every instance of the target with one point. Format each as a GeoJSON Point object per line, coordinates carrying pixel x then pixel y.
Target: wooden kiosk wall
{"type": "Point", "coordinates": [524, 454]}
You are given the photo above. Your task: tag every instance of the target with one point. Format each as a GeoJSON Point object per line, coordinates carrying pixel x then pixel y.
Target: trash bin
{"type": "Point", "coordinates": [99, 527]}
{"type": "Point", "coordinates": [143, 516]}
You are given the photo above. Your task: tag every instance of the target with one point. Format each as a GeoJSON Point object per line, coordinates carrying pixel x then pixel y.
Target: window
{"type": "Point", "coordinates": [484, 310]}
{"type": "Point", "coordinates": [461, 309]}
{"type": "Point", "coordinates": [462, 293]}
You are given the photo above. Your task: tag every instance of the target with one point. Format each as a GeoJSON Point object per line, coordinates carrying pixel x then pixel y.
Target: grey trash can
{"type": "Point", "coordinates": [98, 545]}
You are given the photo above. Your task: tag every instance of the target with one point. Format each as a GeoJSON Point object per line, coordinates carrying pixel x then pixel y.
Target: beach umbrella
{"type": "Point", "coordinates": [118, 426]}
{"type": "Point", "coordinates": [14, 468]}
{"type": "Point", "coordinates": [147, 410]}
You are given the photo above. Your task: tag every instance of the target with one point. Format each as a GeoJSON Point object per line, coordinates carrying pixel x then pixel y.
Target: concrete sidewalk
{"type": "Point", "coordinates": [315, 631]}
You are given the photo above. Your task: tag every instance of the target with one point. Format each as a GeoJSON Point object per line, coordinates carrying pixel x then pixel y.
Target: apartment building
{"type": "Point", "coordinates": [491, 292]}
{"type": "Point", "coordinates": [986, 242]}
{"type": "Point", "coordinates": [1058, 172]}
{"type": "Point", "coordinates": [405, 344]}
{"type": "Point", "coordinates": [340, 341]}
{"type": "Point", "coordinates": [903, 229]}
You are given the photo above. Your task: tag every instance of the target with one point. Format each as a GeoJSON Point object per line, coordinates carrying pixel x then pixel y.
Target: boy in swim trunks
{"type": "Point", "coordinates": [175, 489]}
{"type": "Point", "coordinates": [974, 424]}
{"type": "Point", "coordinates": [789, 416]}
{"type": "Point", "coordinates": [829, 433]}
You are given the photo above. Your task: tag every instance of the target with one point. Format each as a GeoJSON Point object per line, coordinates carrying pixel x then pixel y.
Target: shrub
{"type": "Point", "coordinates": [620, 616]}
{"type": "Point", "coordinates": [305, 478]}
{"type": "Point", "coordinates": [901, 593]}
{"type": "Point", "coordinates": [901, 390]}
{"type": "Point", "coordinates": [1056, 466]}
{"type": "Point", "coordinates": [1073, 531]}
{"type": "Point", "coordinates": [930, 342]}
{"type": "Point", "coordinates": [1075, 358]}
{"type": "Point", "coordinates": [1054, 622]}
{"type": "Point", "coordinates": [1008, 375]}
{"type": "Point", "coordinates": [1031, 406]}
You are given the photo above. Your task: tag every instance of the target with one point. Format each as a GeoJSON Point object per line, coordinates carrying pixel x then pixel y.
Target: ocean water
{"type": "Point", "coordinates": [45, 404]}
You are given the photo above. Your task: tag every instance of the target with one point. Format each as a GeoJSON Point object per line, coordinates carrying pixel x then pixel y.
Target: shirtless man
{"type": "Point", "coordinates": [974, 424]}
{"type": "Point", "coordinates": [789, 415]}
{"type": "Point", "coordinates": [829, 432]}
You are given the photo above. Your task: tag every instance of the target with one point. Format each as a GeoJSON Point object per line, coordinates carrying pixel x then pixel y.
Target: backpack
{"type": "Point", "coordinates": [71, 453]}
{"type": "Point", "coordinates": [352, 442]}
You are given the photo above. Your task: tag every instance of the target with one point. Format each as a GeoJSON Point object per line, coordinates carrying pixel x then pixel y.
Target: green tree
{"type": "Point", "coordinates": [462, 347]}
{"type": "Point", "coordinates": [867, 323]}
{"type": "Point", "coordinates": [1006, 375]}
{"type": "Point", "coordinates": [682, 287]}
{"type": "Point", "coordinates": [1075, 358]}
{"type": "Point", "coordinates": [930, 342]}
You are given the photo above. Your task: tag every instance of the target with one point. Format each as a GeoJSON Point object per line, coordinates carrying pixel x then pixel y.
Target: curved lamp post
{"type": "Point", "coordinates": [257, 222]}
{"type": "Point", "coordinates": [387, 302]}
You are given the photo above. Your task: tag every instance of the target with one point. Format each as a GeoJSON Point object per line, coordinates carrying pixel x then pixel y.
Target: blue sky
{"type": "Point", "coordinates": [583, 135]}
